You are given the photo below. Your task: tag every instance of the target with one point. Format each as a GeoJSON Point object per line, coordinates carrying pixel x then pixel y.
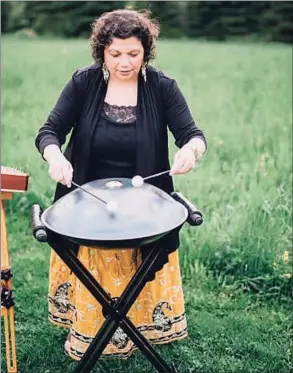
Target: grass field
{"type": "Point", "coordinates": [235, 268]}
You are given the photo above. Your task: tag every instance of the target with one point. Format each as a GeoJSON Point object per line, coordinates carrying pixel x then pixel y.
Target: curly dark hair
{"type": "Point", "coordinates": [123, 24]}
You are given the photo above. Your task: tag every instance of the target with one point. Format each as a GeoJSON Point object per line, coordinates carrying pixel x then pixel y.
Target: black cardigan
{"type": "Point", "coordinates": [160, 106]}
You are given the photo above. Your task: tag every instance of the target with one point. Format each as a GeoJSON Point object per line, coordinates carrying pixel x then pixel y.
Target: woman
{"type": "Point", "coordinates": [119, 110]}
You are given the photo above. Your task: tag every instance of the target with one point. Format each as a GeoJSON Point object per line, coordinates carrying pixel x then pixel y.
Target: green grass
{"type": "Point", "coordinates": [237, 298]}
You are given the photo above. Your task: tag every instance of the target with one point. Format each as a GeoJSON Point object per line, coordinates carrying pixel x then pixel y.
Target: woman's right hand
{"type": "Point", "coordinates": [60, 170]}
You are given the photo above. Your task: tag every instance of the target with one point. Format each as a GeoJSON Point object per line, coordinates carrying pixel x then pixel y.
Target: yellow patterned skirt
{"type": "Point", "coordinates": [158, 312]}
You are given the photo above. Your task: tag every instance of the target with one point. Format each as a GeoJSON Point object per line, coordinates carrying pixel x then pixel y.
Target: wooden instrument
{"type": "Point", "coordinates": [12, 180]}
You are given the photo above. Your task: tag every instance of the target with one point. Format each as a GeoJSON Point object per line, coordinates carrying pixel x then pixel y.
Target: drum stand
{"type": "Point", "coordinates": [115, 311]}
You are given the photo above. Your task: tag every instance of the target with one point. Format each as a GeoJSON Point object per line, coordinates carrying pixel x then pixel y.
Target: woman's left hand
{"type": "Point", "coordinates": [184, 161]}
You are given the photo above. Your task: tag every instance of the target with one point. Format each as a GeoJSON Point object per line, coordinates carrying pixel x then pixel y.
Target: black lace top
{"type": "Point", "coordinates": [113, 151]}
{"type": "Point", "coordinates": [120, 114]}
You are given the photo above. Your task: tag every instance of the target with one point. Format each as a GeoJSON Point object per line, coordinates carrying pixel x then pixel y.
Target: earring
{"type": "Point", "coordinates": [143, 72]}
{"type": "Point", "coordinates": [105, 73]}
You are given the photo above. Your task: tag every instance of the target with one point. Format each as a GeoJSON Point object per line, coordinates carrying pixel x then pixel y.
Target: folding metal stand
{"type": "Point", "coordinates": [116, 312]}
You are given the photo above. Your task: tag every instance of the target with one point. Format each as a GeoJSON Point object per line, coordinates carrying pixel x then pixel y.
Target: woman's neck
{"type": "Point", "coordinates": [122, 93]}
{"type": "Point", "coordinates": [124, 83]}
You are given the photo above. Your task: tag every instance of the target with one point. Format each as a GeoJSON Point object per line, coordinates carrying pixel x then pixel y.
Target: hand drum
{"type": "Point", "coordinates": [143, 214]}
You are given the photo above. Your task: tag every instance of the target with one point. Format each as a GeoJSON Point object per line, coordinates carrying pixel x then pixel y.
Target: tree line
{"type": "Point", "coordinates": [217, 20]}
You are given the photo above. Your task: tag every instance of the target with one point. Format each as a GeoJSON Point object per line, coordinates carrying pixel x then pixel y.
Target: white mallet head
{"type": "Point", "coordinates": [112, 206]}
{"type": "Point", "coordinates": [137, 181]}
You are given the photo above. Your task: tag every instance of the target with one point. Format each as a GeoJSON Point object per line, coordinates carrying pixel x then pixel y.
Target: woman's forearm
{"type": "Point", "coordinates": [198, 146]}
{"type": "Point", "coordinates": [52, 152]}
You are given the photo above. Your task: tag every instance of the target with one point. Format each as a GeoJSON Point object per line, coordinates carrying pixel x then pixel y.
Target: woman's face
{"type": "Point", "coordinates": [124, 58]}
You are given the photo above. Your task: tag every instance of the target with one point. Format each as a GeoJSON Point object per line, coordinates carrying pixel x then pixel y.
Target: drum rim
{"type": "Point", "coordinates": [174, 226]}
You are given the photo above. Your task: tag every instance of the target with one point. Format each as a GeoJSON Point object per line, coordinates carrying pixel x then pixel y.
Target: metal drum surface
{"type": "Point", "coordinates": [143, 214]}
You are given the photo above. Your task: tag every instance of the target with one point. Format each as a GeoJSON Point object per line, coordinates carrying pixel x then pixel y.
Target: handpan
{"type": "Point", "coordinates": [143, 214]}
